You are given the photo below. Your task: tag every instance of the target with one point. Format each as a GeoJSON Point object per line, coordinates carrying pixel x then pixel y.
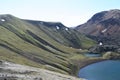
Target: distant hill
{"type": "Point", "coordinates": [103, 26]}
{"type": "Point", "coordinates": [48, 45]}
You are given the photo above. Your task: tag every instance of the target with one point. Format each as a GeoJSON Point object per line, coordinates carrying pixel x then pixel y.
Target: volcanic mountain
{"type": "Point", "coordinates": [103, 26]}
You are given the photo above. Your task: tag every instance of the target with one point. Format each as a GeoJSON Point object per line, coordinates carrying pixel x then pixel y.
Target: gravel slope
{"type": "Point", "coordinates": [12, 71]}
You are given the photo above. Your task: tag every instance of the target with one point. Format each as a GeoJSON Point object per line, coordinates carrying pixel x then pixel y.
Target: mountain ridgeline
{"type": "Point", "coordinates": [48, 45]}
{"type": "Point", "coordinates": [103, 27]}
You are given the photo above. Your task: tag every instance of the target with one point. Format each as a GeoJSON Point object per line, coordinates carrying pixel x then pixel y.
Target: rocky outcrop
{"type": "Point", "coordinates": [11, 71]}
{"type": "Point", "coordinates": [103, 48]}
{"type": "Point", "coordinates": [111, 56]}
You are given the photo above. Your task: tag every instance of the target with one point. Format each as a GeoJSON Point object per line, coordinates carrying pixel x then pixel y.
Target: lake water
{"type": "Point", "coordinates": [92, 55]}
{"type": "Point", "coordinates": [105, 70]}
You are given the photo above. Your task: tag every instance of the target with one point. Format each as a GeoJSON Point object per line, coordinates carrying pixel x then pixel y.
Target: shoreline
{"type": "Point", "coordinates": [83, 63]}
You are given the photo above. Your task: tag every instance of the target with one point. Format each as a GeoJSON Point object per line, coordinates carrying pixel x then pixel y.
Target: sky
{"type": "Point", "coordinates": [70, 12]}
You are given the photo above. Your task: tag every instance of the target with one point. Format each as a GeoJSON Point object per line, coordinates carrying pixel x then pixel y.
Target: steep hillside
{"type": "Point", "coordinates": [103, 26]}
{"type": "Point", "coordinates": [63, 35]}
{"type": "Point", "coordinates": [40, 44]}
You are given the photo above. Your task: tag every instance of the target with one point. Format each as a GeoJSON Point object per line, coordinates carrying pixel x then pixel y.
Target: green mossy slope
{"type": "Point", "coordinates": [40, 44]}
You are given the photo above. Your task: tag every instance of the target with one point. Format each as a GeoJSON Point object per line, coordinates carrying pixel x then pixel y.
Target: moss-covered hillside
{"type": "Point", "coordinates": [41, 44]}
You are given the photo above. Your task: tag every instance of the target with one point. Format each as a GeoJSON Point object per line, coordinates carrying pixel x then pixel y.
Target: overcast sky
{"type": "Point", "coordinates": [70, 12]}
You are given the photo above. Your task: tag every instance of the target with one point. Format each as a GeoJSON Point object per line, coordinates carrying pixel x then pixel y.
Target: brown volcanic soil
{"type": "Point", "coordinates": [103, 26]}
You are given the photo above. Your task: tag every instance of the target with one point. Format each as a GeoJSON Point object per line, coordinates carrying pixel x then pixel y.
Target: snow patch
{"type": "Point", "coordinates": [100, 43]}
{"type": "Point", "coordinates": [2, 20]}
{"type": "Point", "coordinates": [104, 30]}
{"type": "Point", "coordinates": [80, 49]}
{"type": "Point", "coordinates": [57, 27]}
{"type": "Point", "coordinates": [66, 29]}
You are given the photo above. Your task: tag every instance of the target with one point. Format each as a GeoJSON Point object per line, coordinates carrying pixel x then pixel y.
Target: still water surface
{"type": "Point", "coordinates": [92, 55]}
{"type": "Point", "coordinates": [105, 70]}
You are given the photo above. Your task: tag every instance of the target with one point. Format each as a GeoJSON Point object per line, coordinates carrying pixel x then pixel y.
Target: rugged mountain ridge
{"type": "Point", "coordinates": [40, 44]}
{"type": "Point", "coordinates": [103, 26]}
